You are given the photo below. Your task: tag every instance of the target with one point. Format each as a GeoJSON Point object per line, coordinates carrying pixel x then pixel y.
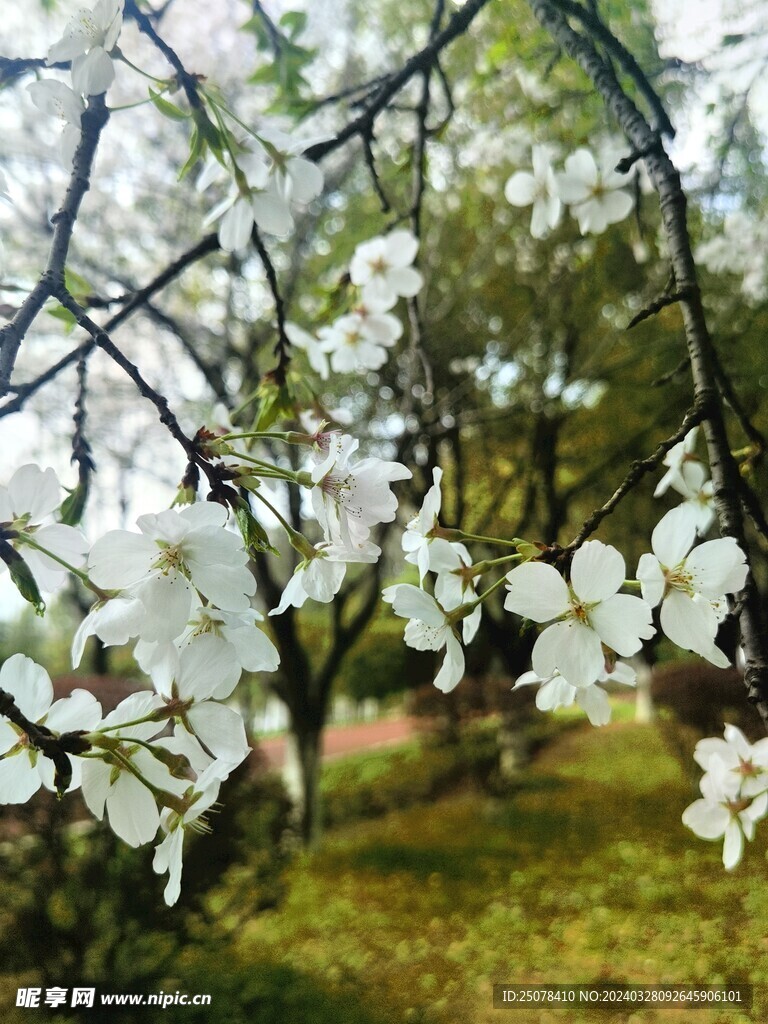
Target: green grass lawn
{"type": "Point", "coordinates": [585, 874]}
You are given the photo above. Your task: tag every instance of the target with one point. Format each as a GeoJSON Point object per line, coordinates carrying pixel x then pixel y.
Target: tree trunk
{"type": "Point", "coordinates": [301, 775]}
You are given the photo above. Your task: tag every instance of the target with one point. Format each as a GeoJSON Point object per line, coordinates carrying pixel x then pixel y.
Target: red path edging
{"type": "Point", "coordinates": [346, 739]}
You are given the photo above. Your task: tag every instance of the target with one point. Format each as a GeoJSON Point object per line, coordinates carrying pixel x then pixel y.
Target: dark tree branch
{"type": "Point", "coordinates": [656, 307]}
{"type": "Point", "coordinates": [726, 478]}
{"type": "Point", "coordinates": [132, 302]}
{"type": "Point", "coordinates": [591, 20]}
{"type": "Point", "coordinates": [11, 336]}
{"type": "Point", "coordinates": [188, 82]}
{"type": "Point", "coordinates": [282, 347]}
{"type": "Point", "coordinates": [57, 748]}
{"type": "Point", "coordinates": [420, 61]}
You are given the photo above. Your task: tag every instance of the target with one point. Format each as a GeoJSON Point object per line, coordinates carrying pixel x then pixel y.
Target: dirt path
{"type": "Point", "coordinates": [346, 739]}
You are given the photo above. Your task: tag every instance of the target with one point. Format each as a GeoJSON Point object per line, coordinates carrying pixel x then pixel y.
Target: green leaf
{"type": "Point", "coordinates": [195, 152]}
{"type": "Point", "coordinates": [73, 506]}
{"type": "Point", "coordinates": [254, 535]}
{"type": "Point", "coordinates": [209, 133]}
{"type": "Point", "coordinates": [167, 108]}
{"type": "Point", "coordinates": [76, 285]}
{"type": "Point", "coordinates": [295, 22]}
{"type": "Point", "coordinates": [276, 403]}
{"type": "Point", "coordinates": [60, 313]}
{"type": "Point", "coordinates": [267, 74]}
{"type": "Point", "coordinates": [22, 576]}
{"type": "Point", "coordinates": [256, 26]}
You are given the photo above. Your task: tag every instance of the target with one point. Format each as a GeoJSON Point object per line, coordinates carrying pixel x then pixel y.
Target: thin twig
{"type": "Point", "coordinates": [11, 336]}
{"type": "Point", "coordinates": [282, 347]}
{"type": "Point", "coordinates": [637, 471]}
{"type": "Point", "coordinates": [457, 26]}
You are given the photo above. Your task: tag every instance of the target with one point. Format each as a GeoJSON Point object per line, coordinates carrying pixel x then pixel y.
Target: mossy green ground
{"type": "Point", "coordinates": [584, 874]}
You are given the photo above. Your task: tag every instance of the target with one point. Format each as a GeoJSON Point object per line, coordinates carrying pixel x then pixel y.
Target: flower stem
{"type": "Point", "coordinates": [298, 540]}
{"type": "Point", "coordinates": [480, 567]}
{"type": "Point", "coordinates": [26, 538]}
{"type": "Point", "coordinates": [449, 533]}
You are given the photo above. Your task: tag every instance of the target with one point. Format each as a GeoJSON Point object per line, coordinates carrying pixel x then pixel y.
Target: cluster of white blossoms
{"type": "Point", "coordinates": [434, 620]}
{"type": "Point", "coordinates": [349, 497]}
{"type": "Point", "coordinates": [588, 623]}
{"type": "Point", "coordinates": [734, 791]}
{"type": "Point", "coordinates": [592, 187]}
{"type": "Point", "coordinates": [182, 590]}
{"type": "Point", "coordinates": [88, 42]}
{"type": "Point", "coordinates": [741, 247]}
{"type": "Point", "coordinates": [269, 179]}
{"type": "Point", "coordinates": [360, 339]}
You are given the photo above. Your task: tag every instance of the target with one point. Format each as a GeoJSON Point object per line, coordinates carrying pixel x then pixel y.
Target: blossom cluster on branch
{"type": "Point", "coordinates": [595, 191]}
{"type": "Point", "coordinates": [182, 590]}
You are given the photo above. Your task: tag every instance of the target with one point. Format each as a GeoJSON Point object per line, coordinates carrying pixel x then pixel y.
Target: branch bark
{"type": "Point", "coordinates": [707, 400]}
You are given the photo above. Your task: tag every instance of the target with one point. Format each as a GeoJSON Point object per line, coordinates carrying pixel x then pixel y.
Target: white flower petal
{"type": "Point", "coordinates": [622, 623]}
{"type": "Point", "coordinates": [672, 538]}
{"type": "Point", "coordinates": [132, 812]}
{"type": "Point", "coordinates": [573, 649]}
{"type": "Point", "coordinates": [718, 567]}
{"type": "Point", "coordinates": [220, 729]}
{"type": "Point", "coordinates": [18, 779]}
{"type": "Point", "coordinates": [733, 846]}
{"type": "Point", "coordinates": [692, 625]}
{"type": "Point", "coordinates": [452, 668]}
{"type": "Point", "coordinates": [708, 820]}
{"type": "Point", "coordinates": [597, 571]}
{"type": "Point", "coordinates": [651, 577]}
{"type": "Point", "coordinates": [537, 591]}
{"type": "Point", "coordinates": [594, 701]}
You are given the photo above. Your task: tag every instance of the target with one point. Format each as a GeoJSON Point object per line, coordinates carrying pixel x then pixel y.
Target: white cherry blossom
{"type": "Point", "coordinates": [594, 190]}
{"type": "Point", "coordinates": [175, 553]}
{"type": "Point", "coordinates": [746, 762]}
{"type": "Point", "coordinates": [58, 100]}
{"type": "Point", "coordinates": [349, 497]}
{"type": "Point", "coordinates": [555, 692]}
{"type": "Point", "coordinates": [23, 769]}
{"type": "Point", "coordinates": [678, 456]}
{"type": "Point", "coordinates": [428, 629]}
{"type": "Point", "coordinates": [270, 178]}
{"type": "Point", "coordinates": [297, 180]}
{"type": "Point", "coordinates": [88, 40]}
{"type": "Point", "coordinates": [692, 588]}
{"type": "Point", "coordinates": [538, 189]}
{"type": "Point", "coordinates": [31, 497]}
{"type": "Point", "coordinates": [417, 541]}
{"type": "Point", "coordinates": [350, 347]}
{"type": "Point", "coordinates": [320, 577]}
{"type": "Point", "coordinates": [359, 340]}
{"type": "Point", "coordinates": [590, 611]}
{"type": "Point", "coordinates": [723, 812]}
{"type": "Point", "coordinates": [382, 267]}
